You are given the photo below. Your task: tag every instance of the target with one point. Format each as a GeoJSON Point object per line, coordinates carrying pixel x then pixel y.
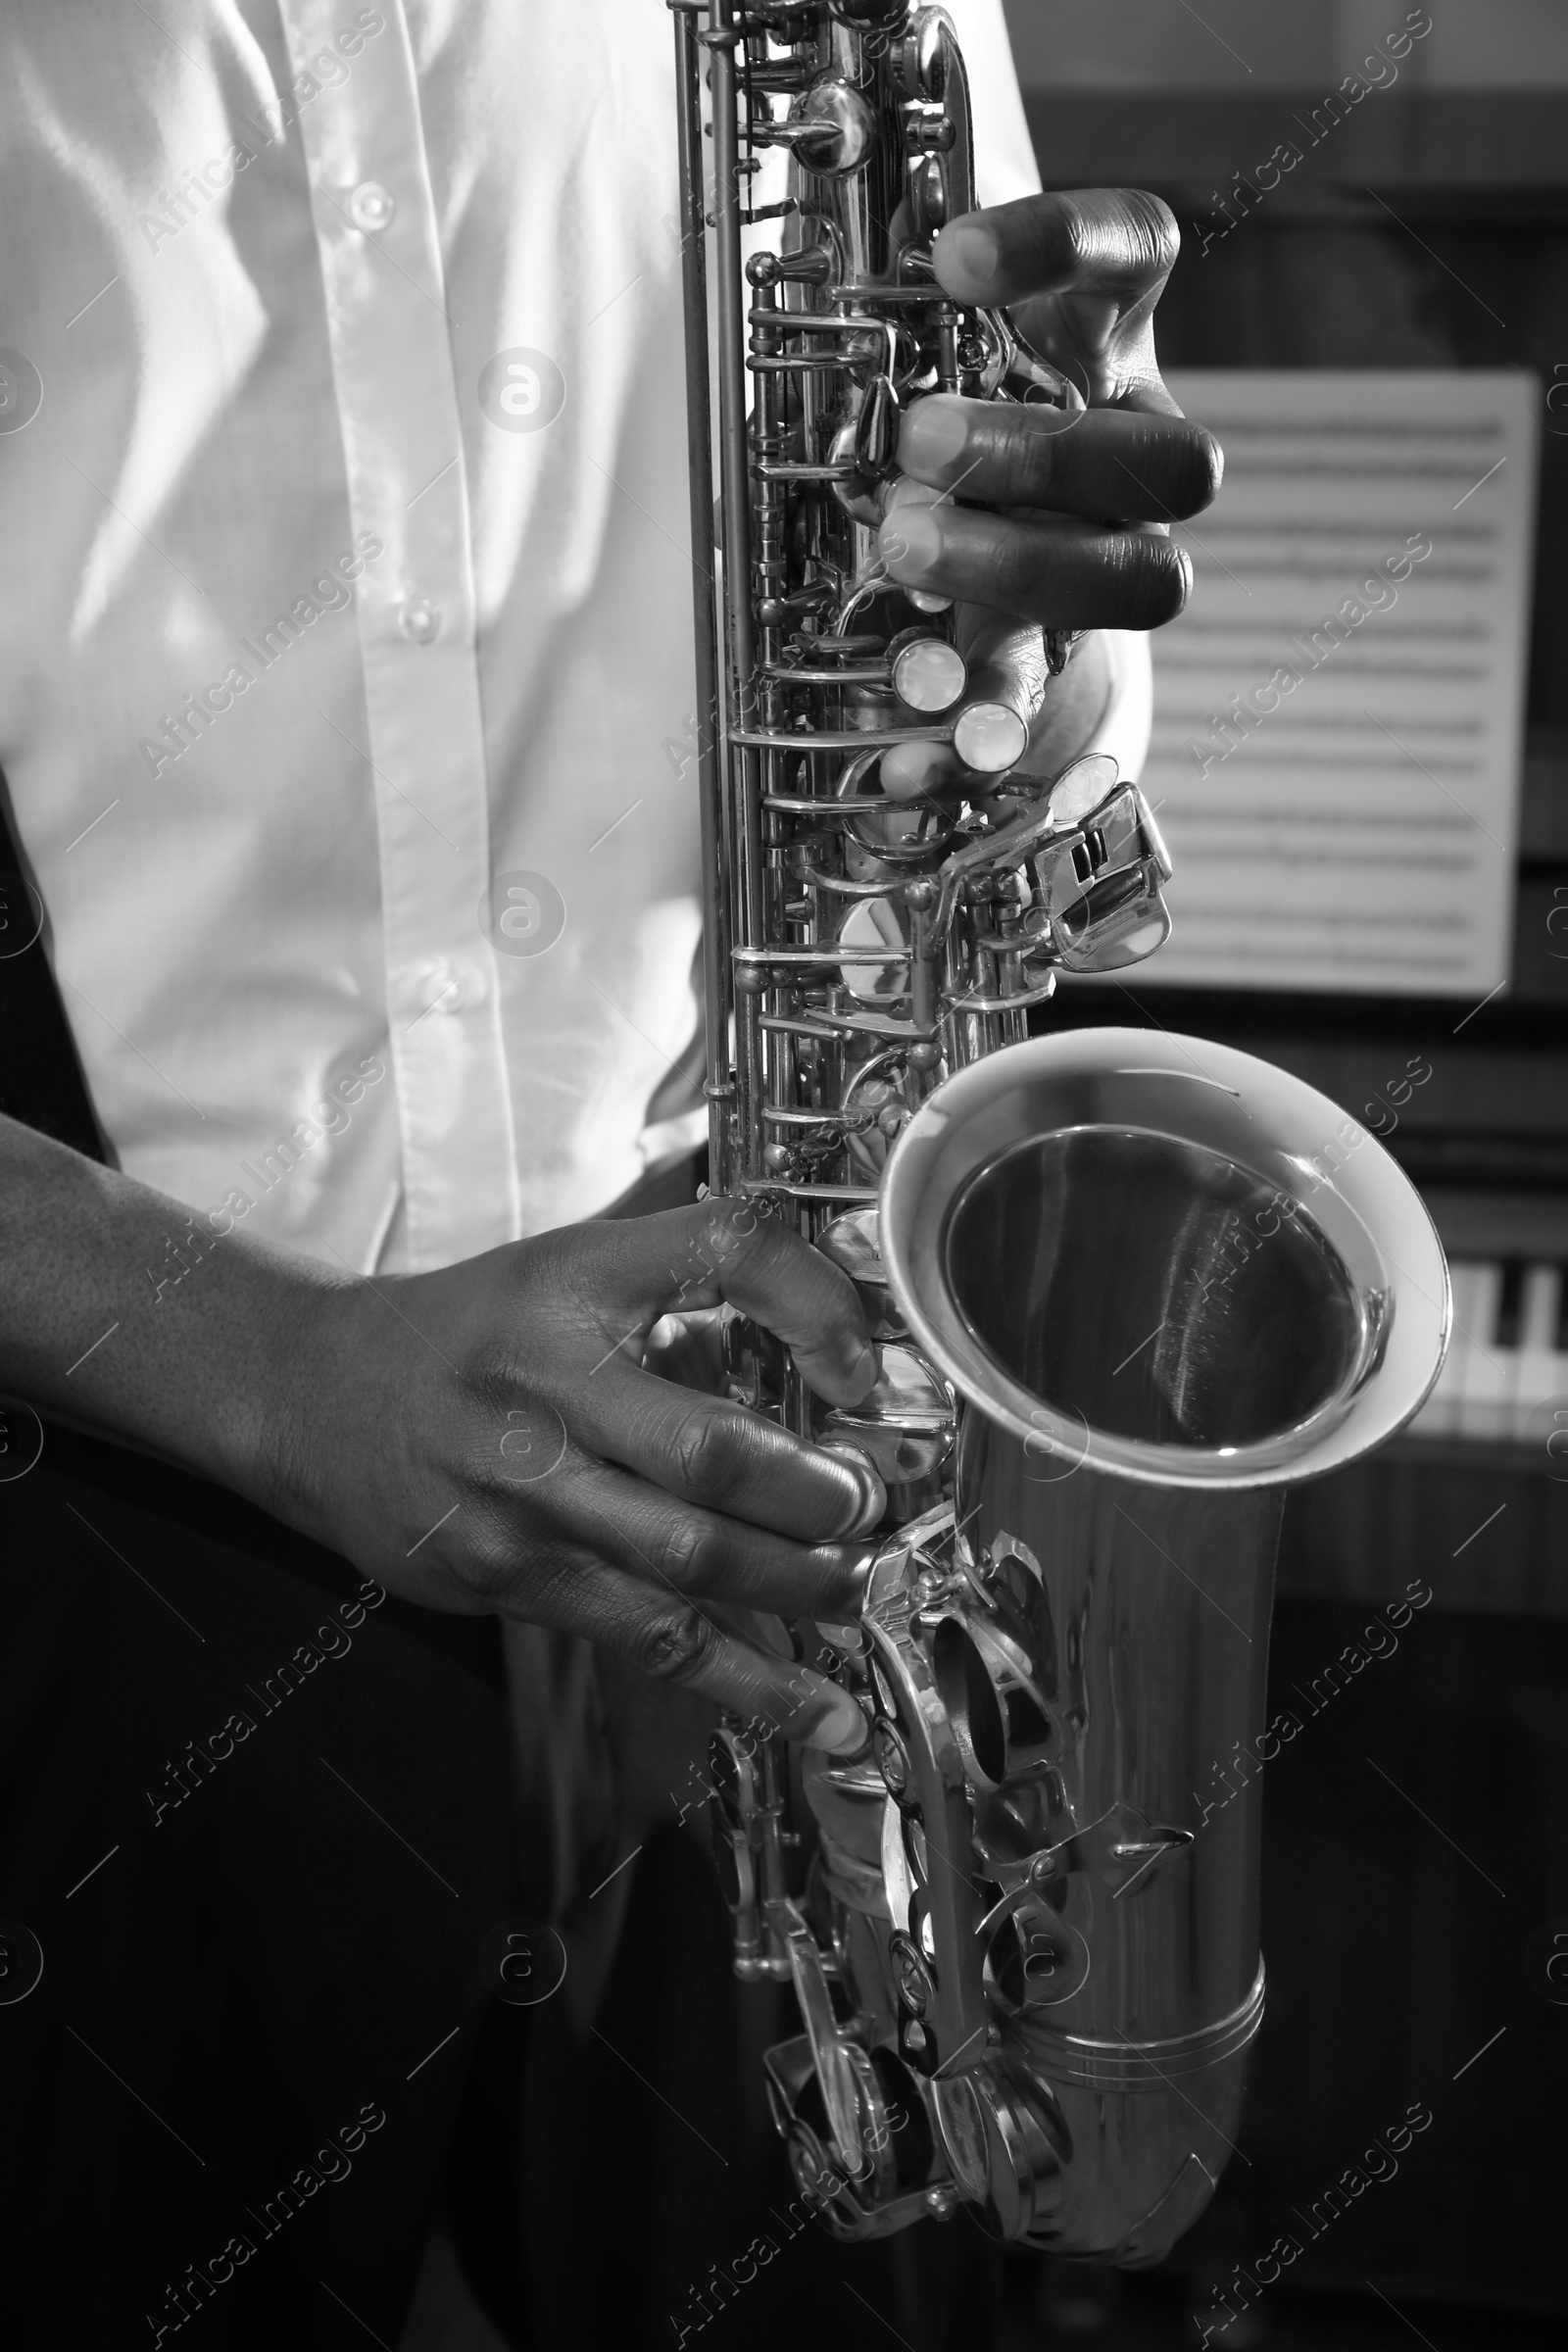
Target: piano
{"type": "Point", "coordinates": [1506, 1374]}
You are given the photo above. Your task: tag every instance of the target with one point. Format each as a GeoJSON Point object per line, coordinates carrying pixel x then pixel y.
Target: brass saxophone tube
{"type": "Point", "coordinates": [1168, 1282]}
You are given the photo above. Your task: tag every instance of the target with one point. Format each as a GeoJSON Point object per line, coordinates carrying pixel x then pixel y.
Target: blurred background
{"type": "Point", "coordinates": [1416, 1841]}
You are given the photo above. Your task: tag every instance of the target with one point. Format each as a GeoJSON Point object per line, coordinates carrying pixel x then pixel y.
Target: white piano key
{"type": "Point", "coordinates": [1540, 1369]}
{"type": "Point", "coordinates": [1485, 1375]}
{"type": "Point", "coordinates": [1543, 1305]}
{"type": "Point", "coordinates": [1439, 1417]}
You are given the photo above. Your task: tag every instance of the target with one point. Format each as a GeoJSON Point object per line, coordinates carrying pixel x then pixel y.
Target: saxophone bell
{"type": "Point", "coordinates": [1168, 1282]}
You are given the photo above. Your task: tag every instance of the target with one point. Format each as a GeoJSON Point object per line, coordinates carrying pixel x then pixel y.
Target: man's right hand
{"type": "Point", "coordinates": [483, 1439]}
{"type": "Point", "coordinates": [486, 1439]}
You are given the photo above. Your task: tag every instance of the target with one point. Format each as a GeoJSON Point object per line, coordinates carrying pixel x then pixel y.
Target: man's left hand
{"type": "Point", "coordinates": [1067, 528]}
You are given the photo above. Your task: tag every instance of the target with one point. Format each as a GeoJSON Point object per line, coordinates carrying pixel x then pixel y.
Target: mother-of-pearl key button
{"type": "Point", "coordinates": [371, 207]}
{"type": "Point", "coordinates": [990, 738]}
{"type": "Point", "coordinates": [928, 674]}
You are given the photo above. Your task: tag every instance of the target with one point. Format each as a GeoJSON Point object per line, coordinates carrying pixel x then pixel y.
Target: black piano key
{"type": "Point", "coordinates": [1510, 1303]}
{"type": "Point", "coordinates": [1560, 1342]}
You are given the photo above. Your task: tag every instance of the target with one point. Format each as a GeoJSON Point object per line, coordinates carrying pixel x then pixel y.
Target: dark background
{"type": "Point", "coordinates": [1396, 1948]}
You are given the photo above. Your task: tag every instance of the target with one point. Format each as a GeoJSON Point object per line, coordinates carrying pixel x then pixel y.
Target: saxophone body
{"type": "Point", "coordinates": [1127, 1287]}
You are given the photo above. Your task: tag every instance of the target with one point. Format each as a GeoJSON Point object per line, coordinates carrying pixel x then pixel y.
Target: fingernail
{"type": "Point", "coordinates": [873, 1507]}
{"type": "Point", "coordinates": [864, 1374]}
{"type": "Point", "coordinates": [911, 542]}
{"type": "Point", "coordinates": [974, 253]}
{"type": "Point", "coordinates": [871, 1498]}
{"type": "Point", "coordinates": [935, 434]}
{"type": "Point", "coordinates": [841, 1728]}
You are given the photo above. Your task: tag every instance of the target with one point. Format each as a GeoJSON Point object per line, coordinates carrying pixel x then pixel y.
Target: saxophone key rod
{"type": "Point", "coordinates": [714, 870]}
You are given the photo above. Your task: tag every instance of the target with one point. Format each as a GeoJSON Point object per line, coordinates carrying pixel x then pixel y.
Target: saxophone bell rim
{"type": "Point", "coordinates": [1216, 1099]}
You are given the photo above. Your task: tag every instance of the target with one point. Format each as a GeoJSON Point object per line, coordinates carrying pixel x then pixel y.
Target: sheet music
{"type": "Point", "coordinates": [1339, 716]}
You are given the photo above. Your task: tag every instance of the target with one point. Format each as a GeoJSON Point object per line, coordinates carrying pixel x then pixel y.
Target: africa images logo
{"type": "Point", "coordinates": [522, 914]}
{"type": "Point", "coordinates": [522, 390]}
{"type": "Point", "coordinates": [21, 391]}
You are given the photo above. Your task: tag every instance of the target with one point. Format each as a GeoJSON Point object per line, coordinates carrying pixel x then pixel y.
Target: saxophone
{"type": "Point", "coordinates": [1127, 1287]}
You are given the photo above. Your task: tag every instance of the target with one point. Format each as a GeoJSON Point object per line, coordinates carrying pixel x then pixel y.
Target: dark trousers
{"type": "Point", "coordinates": [259, 1830]}
{"type": "Point", "coordinates": [260, 1823]}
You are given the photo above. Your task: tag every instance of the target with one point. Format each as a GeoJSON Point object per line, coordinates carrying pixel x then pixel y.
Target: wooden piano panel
{"type": "Point", "coordinates": [1484, 1532]}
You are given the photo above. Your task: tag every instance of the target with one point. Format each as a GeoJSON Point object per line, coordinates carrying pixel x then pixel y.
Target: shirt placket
{"type": "Point", "coordinates": [398, 404]}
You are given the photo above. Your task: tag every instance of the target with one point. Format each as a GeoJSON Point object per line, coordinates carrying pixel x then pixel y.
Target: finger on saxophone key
{"type": "Point", "coordinates": [875, 1501]}
{"type": "Point", "coordinates": [992, 734]}
{"type": "Point", "coordinates": [910, 771]}
{"type": "Point", "coordinates": [910, 542]}
{"type": "Point", "coordinates": [1007, 679]}
{"type": "Point", "coordinates": [928, 674]}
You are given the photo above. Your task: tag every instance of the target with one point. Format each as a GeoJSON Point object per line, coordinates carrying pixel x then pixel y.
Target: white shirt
{"type": "Point", "coordinates": [347, 582]}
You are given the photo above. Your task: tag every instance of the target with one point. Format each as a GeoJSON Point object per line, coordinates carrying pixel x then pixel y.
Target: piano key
{"type": "Point", "coordinates": [1506, 1358]}
{"type": "Point", "coordinates": [1485, 1373]}
{"type": "Point", "coordinates": [1511, 1307]}
{"type": "Point", "coordinates": [1540, 1367]}
{"type": "Point", "coordinates": [1543, 1305]}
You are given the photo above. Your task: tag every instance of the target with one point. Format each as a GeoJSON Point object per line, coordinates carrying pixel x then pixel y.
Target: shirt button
{"type": "Point", "coordinates": [438, 989]}
{"type": "Point", "coordinates": [371, 207]}
{"type": "Point", "coordinates": [419, 620]}
{"type": "Point", "coordinates": [449, 988]}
